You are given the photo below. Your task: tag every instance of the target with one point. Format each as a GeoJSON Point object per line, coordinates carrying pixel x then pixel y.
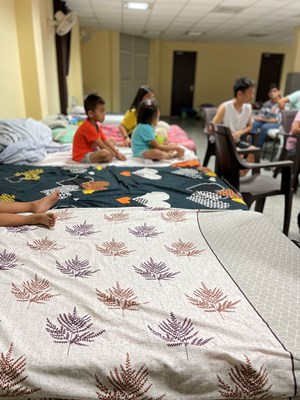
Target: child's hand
{"type": "Point", "coordinates": [121, 156]}
{"type": "Point", "coordinates": [127, 142]}
{"type": "Point", "coordinates": [180, 152]}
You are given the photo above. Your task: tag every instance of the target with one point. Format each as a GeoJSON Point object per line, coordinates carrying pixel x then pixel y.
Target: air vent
{"type": "Point", "coordinates": [228, 10]}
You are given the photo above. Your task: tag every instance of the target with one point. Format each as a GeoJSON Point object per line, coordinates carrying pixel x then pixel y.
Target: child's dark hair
{"type": "Point", "coordinates": [273, 86]}
{"type": "Point", "coordinates": [91, 102]}
{"type": "Point", "coordinates": [242, 84]}
{"type": "Point", "coordinates": [147, 111]}
{"type": "Point", "coordinates": [143, 90]}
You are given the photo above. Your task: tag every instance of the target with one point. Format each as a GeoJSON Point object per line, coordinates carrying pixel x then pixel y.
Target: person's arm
{"type": "Point", "coordinates": [268, 120]}
{"type": "Point", "coordinates": [282, 102]}
{"type": "Point", "coordinates": [261, 116]}
{"type": "Point", "coordinates": [179, 150]}
{"type": "Point", "coordinates": [125, 135]}
{"type": "Point", "coordinates": [218, 118]}
{"type": "Point", "coordinates": [237, 134]}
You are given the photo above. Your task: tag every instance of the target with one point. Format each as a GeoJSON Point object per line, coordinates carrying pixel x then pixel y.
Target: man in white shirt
{"type": "Point", "coordinates": [237, 113]}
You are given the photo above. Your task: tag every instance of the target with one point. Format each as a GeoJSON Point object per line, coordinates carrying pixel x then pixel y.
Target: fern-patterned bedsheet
{"type": "Point", "coordinates": [126, 303]}
{"type": "Point", "coordinates": [162, 187]}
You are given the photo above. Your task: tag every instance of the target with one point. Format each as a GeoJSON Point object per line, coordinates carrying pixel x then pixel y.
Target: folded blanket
{"type": "Point", "coordinates": [24, 140]}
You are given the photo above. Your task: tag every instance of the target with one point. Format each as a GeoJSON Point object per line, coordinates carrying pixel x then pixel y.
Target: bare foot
{"type": "Point", "coordinates": [172, 154]}
{"type": "Point", "coordinates": [44, 204]}
{"type": "Point", "coordinates": [204, 169]}
{"type": "Point", "coordinates": [47, 219]}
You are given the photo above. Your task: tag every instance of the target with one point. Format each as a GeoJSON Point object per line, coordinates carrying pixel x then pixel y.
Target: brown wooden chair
{"type": "Point", "coordinates": [255, 187]}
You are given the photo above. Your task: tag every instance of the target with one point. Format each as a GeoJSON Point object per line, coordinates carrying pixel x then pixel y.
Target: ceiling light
{"type": "Point", "coordinates": [136, 6]}
{"type": "Point", "coordinates": [193, 33]}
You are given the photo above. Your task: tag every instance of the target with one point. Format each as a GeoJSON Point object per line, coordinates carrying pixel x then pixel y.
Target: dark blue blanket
{"type": "Point", "coordinates": [118, 187]}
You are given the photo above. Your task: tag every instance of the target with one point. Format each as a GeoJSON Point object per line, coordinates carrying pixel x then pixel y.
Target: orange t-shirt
{"type": "Point", "coordinates": [84, 138]}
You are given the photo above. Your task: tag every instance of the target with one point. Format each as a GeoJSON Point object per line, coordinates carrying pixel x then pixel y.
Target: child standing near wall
{"type": "Point", "coordinates": [90, 144]}
{"type": "Point", "coordinates": [143, 138]}
{"type": "Point", "coordinates": [38, 209]}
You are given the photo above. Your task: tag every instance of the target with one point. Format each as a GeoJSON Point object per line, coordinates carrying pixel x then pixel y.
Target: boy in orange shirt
{"type": "Point", "coordinates": [90, 144]}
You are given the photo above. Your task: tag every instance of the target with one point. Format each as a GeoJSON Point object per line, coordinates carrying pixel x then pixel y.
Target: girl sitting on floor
{"type": "Point", "coordinates": [143, 141]}
{"type": "Point", "coordinates": [38, 209]}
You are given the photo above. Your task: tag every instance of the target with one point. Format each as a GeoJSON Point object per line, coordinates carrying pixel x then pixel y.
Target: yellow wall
{"type": "Point", "coordinates": [100, 67]}
{"type": "Point", "coordinates": [12, 102]}
{"type": "Point", "coordinates": [28, 71]}
{"type": "Point", "coordinates": [48, 51]}
{"type": "Point", "coordinates": [218, 65]}
{"type": "Point", "coordinates": [74, 79]}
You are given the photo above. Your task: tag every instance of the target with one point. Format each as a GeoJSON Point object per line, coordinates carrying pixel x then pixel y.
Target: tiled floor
{"type": "Point", "coordinates": [273, 206]}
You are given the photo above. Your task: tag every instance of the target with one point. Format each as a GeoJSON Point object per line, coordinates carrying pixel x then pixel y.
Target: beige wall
{"type": "Point", "coordinates": [37, 57]}
{"type": "Point", "coordinates": [100, 67]}
{"type": "Point", "coordinates": [74, 79]}
{"type": "Point", "coordinates": [218, 65]}
{"type": "Point", "coordinates": [28, 77]}
{"type": "Point", "coordinates": [48, 50]}
{"type": "Point", "coordinates": [28, 72]}
{"type": "Point", "coordinates": [12, 102]}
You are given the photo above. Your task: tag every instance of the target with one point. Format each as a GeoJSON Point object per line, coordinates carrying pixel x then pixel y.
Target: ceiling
{"type": "Point", "coordinates": [222, 21]}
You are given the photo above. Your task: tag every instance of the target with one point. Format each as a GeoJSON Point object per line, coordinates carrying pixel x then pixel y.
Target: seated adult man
{"type": "Point", "coordinates": [237, 113]}
{"type": "Point", "coordinates": [269, 116]}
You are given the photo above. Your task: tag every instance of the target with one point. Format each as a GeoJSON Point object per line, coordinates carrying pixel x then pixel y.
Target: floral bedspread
{"type": "Point", "coordinates": [131, 304]}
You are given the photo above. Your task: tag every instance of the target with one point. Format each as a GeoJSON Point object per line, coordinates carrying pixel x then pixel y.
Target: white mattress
{"type": "Point", "coordinates": [65, 158]}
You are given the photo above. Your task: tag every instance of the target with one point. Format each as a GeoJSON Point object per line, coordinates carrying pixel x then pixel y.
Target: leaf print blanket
{"type": "Point", "coordinates": [134, 304]}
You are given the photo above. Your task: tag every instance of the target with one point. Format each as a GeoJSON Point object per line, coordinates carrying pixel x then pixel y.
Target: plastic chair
{"type": "Point", "coordinates": [208, 114]}
{"type": "Point", "coordinates": [255, 187]}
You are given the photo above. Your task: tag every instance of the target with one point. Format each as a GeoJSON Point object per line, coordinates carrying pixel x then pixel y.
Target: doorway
{"type": "Point", "coordinates": [184, 66]}
{"type": "Point", "coordinates": [270, 72]}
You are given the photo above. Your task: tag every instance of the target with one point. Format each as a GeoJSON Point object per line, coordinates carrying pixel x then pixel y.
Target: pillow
{"type": "Point", "coordinates": [64, 135]}
{"type": "Point", "coordinates": [163, 124]}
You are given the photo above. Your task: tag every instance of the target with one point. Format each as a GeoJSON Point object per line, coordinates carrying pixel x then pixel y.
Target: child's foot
{"type": "Point", "coordinates": [44, 204]}
{"type": "Point", "coordinates": [171, 154]}
{"type": "Point", "coordinates": [47, 219]}
{"type": "Point", "coordinates": [204, 169]}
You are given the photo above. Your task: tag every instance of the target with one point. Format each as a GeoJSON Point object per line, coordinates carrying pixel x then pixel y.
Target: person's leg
{"type": "Point", "coordinates": [250, 157]}
{"type": "Point", "coordinates": [264, 132]}
{"type": "Point", "coordinates": [256, 128]}
{"type": "Point", "coordinates": [155, 154]}
{"type": "Point", "coordinates": [256, 125]}
{"type": "Point", "coordinates": [99, 156]}
{"type": "Point", "coordinates": [38, 206]}
{"type": "Point", "coordinates": [47, 219]}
